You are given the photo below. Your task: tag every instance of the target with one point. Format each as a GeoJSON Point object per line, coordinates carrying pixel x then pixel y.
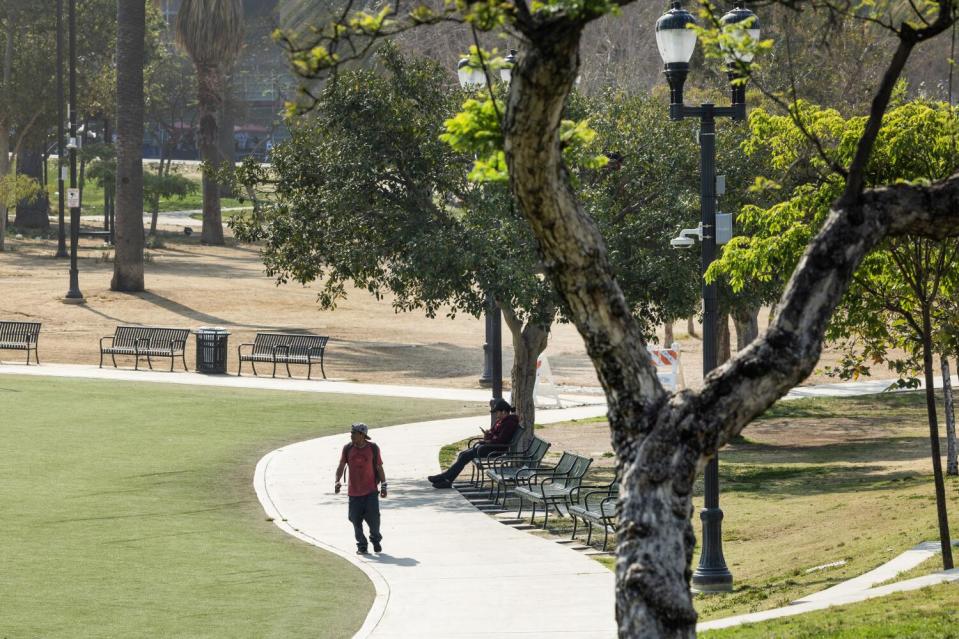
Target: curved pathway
{"type": "Point", "coordinates": [447, 569]}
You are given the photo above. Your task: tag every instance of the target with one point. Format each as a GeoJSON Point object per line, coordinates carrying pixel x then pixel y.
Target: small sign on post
{"type": "Point", "coordinates": [73, 198]}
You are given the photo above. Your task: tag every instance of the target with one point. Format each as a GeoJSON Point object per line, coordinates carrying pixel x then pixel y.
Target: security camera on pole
{"type": "Point", "coordinates": [677, 41]}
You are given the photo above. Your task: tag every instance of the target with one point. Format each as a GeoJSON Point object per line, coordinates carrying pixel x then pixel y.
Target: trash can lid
{"type": "Point", "coordinates": [212, 329]}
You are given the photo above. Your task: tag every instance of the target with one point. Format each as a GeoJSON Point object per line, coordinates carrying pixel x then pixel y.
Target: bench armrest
{"type": "Point", "coordinates": [109, 337]}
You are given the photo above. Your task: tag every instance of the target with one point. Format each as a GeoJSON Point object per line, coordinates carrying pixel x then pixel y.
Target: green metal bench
{"type": "Point", "coordinates": [20, 336]}
{"type": "Point", "coordinates": [552, 486]}
{"type": "Point", "coordinates": [504, 470]}
{"type": "Point", "coordinates": [598, 506]}
{"type": "Point", "coordinates": [481, 463]}
{"type": "Point", "coordinates": [146, 341]}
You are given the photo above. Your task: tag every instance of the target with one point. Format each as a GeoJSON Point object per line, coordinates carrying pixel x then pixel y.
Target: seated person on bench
{"type": "Point", "coordinates": [495, 439]}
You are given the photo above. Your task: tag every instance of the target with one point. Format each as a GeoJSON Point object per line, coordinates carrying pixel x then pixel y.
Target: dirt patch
{"type": "Point", "coordinates": [191, 285]}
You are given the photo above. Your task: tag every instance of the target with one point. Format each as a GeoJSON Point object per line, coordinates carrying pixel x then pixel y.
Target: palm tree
{"type": "Point", "coordinates": [131, 31]}
{"type": "Point", "coordinates": [211, 32]}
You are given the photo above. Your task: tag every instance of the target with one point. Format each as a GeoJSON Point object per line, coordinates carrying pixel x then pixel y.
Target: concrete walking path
{"type": "Point", "coordinates": [447, 569]}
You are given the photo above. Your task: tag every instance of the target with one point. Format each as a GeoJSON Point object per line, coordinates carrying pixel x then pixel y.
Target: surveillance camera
{"type": "Point", "coordinates": [682, 242]}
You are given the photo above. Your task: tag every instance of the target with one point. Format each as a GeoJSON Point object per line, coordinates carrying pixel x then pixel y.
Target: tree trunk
{"type": "Point", "coordinates": [668, 338]}
{"type": "Point", "coordinates": [944, 539]}
{"type": "Point", "coordinates": [529, 342]}
{"type": "Point", "coordinates": [952, 464]}
{"type": "Point", "coordinates": [225, 130]}
{"type": "Point", "coordinates": [210, 82]}
{"type": "Point", "coordinates": [691, 326]}
{"type": "Point", "coordinates": [35, 214]}
{"type": "Point", "coordinates": [747, 327]}
{"type": "Point", "coordinates": [128, 263]}
{"type": "Point", "coordinates": [723, 339]}
{"type": "Point", "coordinates": [4, 171]}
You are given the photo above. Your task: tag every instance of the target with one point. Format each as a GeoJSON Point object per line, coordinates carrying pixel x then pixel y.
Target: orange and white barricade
{"type": "Point", "coordinates": [669, 368]}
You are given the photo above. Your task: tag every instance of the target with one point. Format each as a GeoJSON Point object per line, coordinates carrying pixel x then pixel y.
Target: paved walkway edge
{"type": "Point", "coordinates": [380, 586]}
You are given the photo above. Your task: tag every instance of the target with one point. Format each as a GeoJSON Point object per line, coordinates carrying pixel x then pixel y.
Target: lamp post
{"type": "Point", "coordinates": [61, 233]}
{"type": "Point", "coordinates": [676, 43]}
{"type": "Point", "coordinates": [73, 295]}
{"type": "Point", "coordinates": [471, 77]}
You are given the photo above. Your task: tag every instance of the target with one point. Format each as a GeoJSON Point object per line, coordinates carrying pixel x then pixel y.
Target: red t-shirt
{"type": "Point", "coordinates": [362, 477]}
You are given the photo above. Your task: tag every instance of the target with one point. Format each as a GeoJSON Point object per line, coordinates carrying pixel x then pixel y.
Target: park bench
{"type": "Point", "coordinates": [552, 486]}
{"type": "Point", "coordinates": [598, 505]}
{"type": "Point", "coordinates": [146, 341]}
{"type": "Point", "coordinates": [284, 348]}
{"type": "Point", "coordinates": [505, 471]}
{"type": "Point", "coordinates": [20, 336]}
{"type": "Point", "coordinates": [480, 463]}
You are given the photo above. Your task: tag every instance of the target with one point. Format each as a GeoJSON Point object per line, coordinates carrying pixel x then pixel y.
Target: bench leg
{"type": "Point", "coordinates": [114, 358]}
{"type": "Point", "coordinates": [532, 516]}
{"type": "Point", "coordinates": [309, 370]}
{"type": "Point", "coordinates": [288, 373]}
{"type": "Point", "coordinates": [36, 355]}
{"type": "Point", "coordinates": [239, 367]}
{"type": "Point", "coordinates": [149, 362]}
{"type": "Point", "coordinates": [274, 367]}
{"type": "Point", "coordinates": [101, 359]}
{"type": "Point", "coordinates": [546, 512]}
{"type": "Point", "coordinates": [28, 356]}
{"type": "Point", "coordinates": [183, 355]}
{"type": "Point", "coordinates": [253, 364]}
{"type": "Point", "coordinates": [575, 523]}
{"type": "Point", "coordinates": [173, 359]}
{"type": "Point", "coordinates": [136, 364]}
{"type": "Point", "coordinates": [322, 370]}
{"type": "Point", "coordinates": [519, 513]}
{"type": "Point", "coordinates": [605, 536]}
{"type": "Point", "coordinates": [589, 535]}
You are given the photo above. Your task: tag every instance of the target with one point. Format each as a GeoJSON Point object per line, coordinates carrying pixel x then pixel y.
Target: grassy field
{"type": "Point", "coordinates": [930, 613]}
{"type": "Point", "coordinates": [813, 482]}
{"type": "Point", "coordinates": [129, 511]}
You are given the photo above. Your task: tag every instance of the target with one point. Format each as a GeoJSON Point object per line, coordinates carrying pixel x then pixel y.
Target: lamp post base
{"type": "Point", "coordinates": [712, 575]}
{"type": "Point", "coordinates": [73, 300]}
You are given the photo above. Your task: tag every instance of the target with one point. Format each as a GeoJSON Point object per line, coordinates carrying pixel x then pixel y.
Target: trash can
{"type": "Point", "coordinates": [211, 349]}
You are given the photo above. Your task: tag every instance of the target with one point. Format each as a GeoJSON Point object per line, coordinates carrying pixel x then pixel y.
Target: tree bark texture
{"type": "Point", "coordinates": [34, 214]}
{"type": "Point", "coordinates": [944, 538]}
{"type": "Point", "coordinates": [668, 337]}
{"type": "Point", "coordinates": [209, 98]}
{"type": "Point", "coordinates": [952, 464]}
{"type": "Point", "coordinates": [723, 339]}
{"type": "Point", "coordinates": [529, 342]}
{"type": "Point", "coordinates": [747, 327]}
{"type": "Point", "coordinates": [128, 261]}
{"type": "Point", "coordinates": [664, 441]}
{"type": "Point", "coordinates": [4, 171]}
{"type": "Point", "coordinates": [691, 326]}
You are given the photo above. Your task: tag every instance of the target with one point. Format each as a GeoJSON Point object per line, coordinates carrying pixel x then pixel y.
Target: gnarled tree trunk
{"type": "Point", "coordinates": [128, 263]}
{"type": "Point", "coordinates": [529, 342]}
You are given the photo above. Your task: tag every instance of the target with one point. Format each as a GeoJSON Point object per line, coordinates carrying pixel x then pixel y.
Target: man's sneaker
{"type": "Point", "coordinates": [434, 478]}
{"type": "Point", "coordinates": [377, 547]}
{"type": "Point", "coordinates": [362, 551]}
{"type": "Point", "coordinates": [442, 483]}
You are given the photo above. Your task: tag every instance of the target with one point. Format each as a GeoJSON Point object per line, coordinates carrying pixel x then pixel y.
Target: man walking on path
{"type": "Point", "coordinates": [366, 471]}
{"type": "Point", "coordinates": [496, 439]}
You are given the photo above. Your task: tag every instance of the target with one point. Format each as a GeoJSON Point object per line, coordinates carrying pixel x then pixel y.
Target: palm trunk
{"type": "Point", "coordinates": [952, 464]}
{"type": "Point", "coordinates": [128, 264]}
{"type": "Point", "coordinates": [944, 539]}
{"type": "Point", "coordinates": [4, 171]}
{"type": "Point", "coordinates": [210, 82]}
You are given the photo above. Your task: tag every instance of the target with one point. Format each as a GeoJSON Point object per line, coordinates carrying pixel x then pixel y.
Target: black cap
{"type": "Point", "coordinates": [500, 404]}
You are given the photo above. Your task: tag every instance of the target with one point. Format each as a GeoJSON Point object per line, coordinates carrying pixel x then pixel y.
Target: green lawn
{"type": "Point", "coordinates": [129, 511]}
{"type": "Point", "coordinates": [922, 614]}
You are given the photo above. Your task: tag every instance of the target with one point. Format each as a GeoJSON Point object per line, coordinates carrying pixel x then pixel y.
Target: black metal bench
{"type": "Point", "coordinates": [146, 341]}
{"type": "Point", "coordinates": [599, 506]}
{"type": "Point", "coordinates": [284, 348]}
{"type": "Point", "coordinates": [552, 486]}
{"type": "Point", "coordinates": [20, 336]}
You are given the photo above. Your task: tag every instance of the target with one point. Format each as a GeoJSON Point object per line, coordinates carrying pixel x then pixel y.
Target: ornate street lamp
{"type": "Point", "coordinates": [677, 41]}
{"type": "Point", "coordinates": [73, 295]}
{"type": "Point", "coordinates": [472, 78]}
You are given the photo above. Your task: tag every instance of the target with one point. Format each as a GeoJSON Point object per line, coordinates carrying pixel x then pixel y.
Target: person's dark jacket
{"type": "Point", "coordinates": [502, 431]}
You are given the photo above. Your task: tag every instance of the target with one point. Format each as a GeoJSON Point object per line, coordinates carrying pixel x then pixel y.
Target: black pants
{"type": "Point", "coordinates": [468, 455]}
{"type": "Point", "coordinates": [365, 508]}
